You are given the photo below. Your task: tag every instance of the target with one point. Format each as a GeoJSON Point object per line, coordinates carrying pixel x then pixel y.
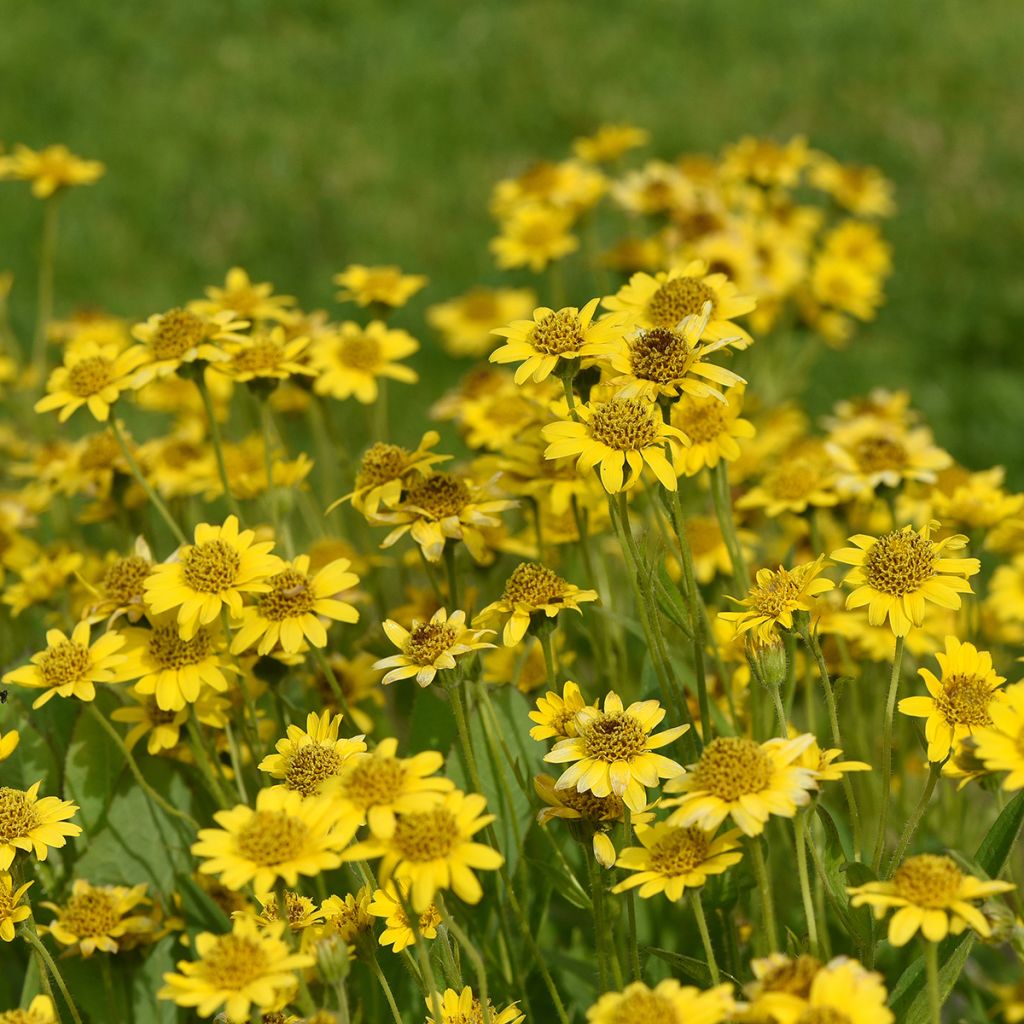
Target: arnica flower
{"type": "Point", "coordinates": [8, 741]}
{"type": "Point", "coordinates": [841, 992]}
{"type": "Point", "coordinates": [92, 375]}
{"type": "Point", "coordinates": [307, 758]}
{"type": "Point", "coordinates": [1000, 747]}
{"type": "Point", "coordinates": [430, 647]}
{"type": "Point", "coordinates": [377, 786]}
{"type": "Point", "coordinates": [398, 932]}
{"type": "Point", "coordinates": [714, 429]}
{"type": "Point", "coordinates": [71, 666]}
{"type": "Point", "coordinates": [248, 967]}
{"type": "Point", "coordinates": [146, 717]}
{"type": "Point", "coordinates": [32, 823]}
{"type": "Point", "coordinates": [266, 356]}
{"type": "Point", "coordinates": [672, 859]}
{"type": "Point", "coordinates": [931, 894]}
{"type": "Point", "coordinates": [40, 1011]}
{"type": "Point", "coordinates": [99, 917]}
{"type": "Point", "coordinates": [244, 298]}
{"type": "Point", "coordinates": [385, 286]}
{"type": "Point", "coordinates": [667, 298]}
{"type": "Point", "coordinates": [350, 361]}
{"type": "Point", "coordinates": [211, 574]}
{"type": "Point", "coordinates": [779, 973]}
{"type": "Point", "coordinates": [169, 340]}
{"type": "Point", "coordinates": [620, 437]}
{"type": "Point", "coordinates": [465, 1008]}
{"type": "Point", "coordinates": [553, 337]}
{"type": "Point", "coordinates": [613, 751]}
{"type": "Point", "coordinates": [609, 142]}
{"type": "Point", "coordinates": [745, 780]}
{"type": "Point", "coordinates": [859, 188]}
{"type": "Point", "coordinates": [50, 169]}
{"type": "Point", "coordinates": [300, 911]}
{"type": "Point", "coordinates": [667, 1002]}
{"type": "Point", "coordinates": [776, 596]}
{"type": "Point", "coordinates": [345, 917]}
{"type": "Point", "coordinates": [465, 323]}
{"type": "Point", "coordinates": [802, 479]}
{"type": "Point", "coordinates": [120, 591]}
{"type": "Point", "coordinates": [958, 704]}
{"type": "Point", "coordinates": [292, 610]}
{"type": "Point", "coordinates": [556, 715]}
{"type": "Point", "coordinates": [12, 910]}
{"type": "Point", "coordinates": [533, 235]}
{"type": "Point", "coordinates": [532, 590]}
{"type": "Point", "coordinates": [825, 764]}
{"type": "Point", "coordinates": [897, 573]}
{"type": "Point", "coordinates": [286, 836]}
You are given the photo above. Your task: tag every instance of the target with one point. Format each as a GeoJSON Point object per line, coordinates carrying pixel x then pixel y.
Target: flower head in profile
{"type": "Point", "coordinates": [93, 375]}
{"type": "Point", "coordinates": [12, 910]}
{"type": "Point", "coordinates": [33, 823]}
{"type": "Point", "coordinates": [555, 714]}
{"type": "Point", "coordinates": [398, 933]}
{"type": "Point", "coordinates": [842, 991]}
{"type": "Point", "coordinates": [170, 340]}
{"type": "Point", "coordinates": [1000, 746]}
{"type": "Point", "coordinates": [307, 759]}
{"type": "Point", "coordinates": [896, 574]}
{"type": "Point", "coordinates": [826, 764]}
{"type": "Point", "coordinates": [241, 296]}
{"type": "Point", "coordinates": [465, 1008]}
{"type": "Point", "coordinates": [350, 361]}
{"type": "Point", "coordinates": [99, 917]}
{"type": "Point", "coordinates": [380, 286]}
{"type": "Point", "coordinates": [609, 142]}
{"type": "Point", "coordinates": [928, 893]}
{"type": "Point", "coordinates": [267, 355]}
{"type": "Point", "coordinates": [346, 918]}
{"type": "Point", "coordinates": [300, 911]}
{"type": "Point", "coordinates": [614, 751]}
{"type": "Point", "coordinates": [466, 322]}
{"type": "Point", "coordinates": [50, 170]}
{"type": "Point", "coordinates": [430, 647]}
{"type": "Point", "coordinates": [668, 1001]}
{"type": "Point", "coordinates": [532, 590]}
{"type": "Point", "coordinates": [534, 235]}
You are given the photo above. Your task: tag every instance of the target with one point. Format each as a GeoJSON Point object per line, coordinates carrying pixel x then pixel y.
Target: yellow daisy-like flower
{"type": "Point", "coordinates": [300, 911]}
{"type": "Point", "coordinates": [40, 1011]}
{"type": "Point", "coordinates": [8, 741]}
{"type": "Point", "coordinates": [12, 910]}
{"type": "Point", "coordinates": [667, 1003]}
{"type": "Point", "coordinates": [556, 715]}
{"type": "Point", "coordinates": [861, 189]}
{"type": "Point", "coordinates": [398, 931]}
{"type": "Point", "coordinates": [50, 169]}
{"type": "Point", "coordinates": [533, 235]}
{"type": "Point", "coordinates": [32, 823]}
{"type": "Point", "coordinates": [270, 355]}
{"type": "Point", "coordinates": [163, 728]}
{"type": "Point", "coordinates": [714, 429]}
{"type": "Point", "coordinates": [766, 161]}
{"type": "Point", "coordinates": [434, 849]}
{"type": "Point", "coordinates": [349, 361]}
{"type": "Point", "coordinates": [168, 340]}
{"type": "Point", "coordinates": [609, 142]}
{"type": "Point", "coordinates": [71, 666]}
{"type": "Point", "coordinates": [247, 967]}
{"type": "Point", "coordinates": [672, 859]}
{"type": "Point", "coordinates": [776, 596]}
{"type": "Point", "coordinates": [745, 780]}
{"type": "Point", "coordinates": [531, 590]}
{"type": "Point", "coordinates": [665, 299]}
{"type": "Point", "coordinates": [1000, 747]}
{"type": "Point", "coordinates": [800, 480]}
{"type": "Point", "coordinates": [841, 992]}
{"type": "Point", "coordinates": [244, 298]}
{"type": "Point", "coordinates": [291, 612]}
{"type": "Point", "coordinates": [385, 286]}
{"type": "Point", "coordinates": [429, 647]}
{"type": "Point", "coordinates": [307, 758]}
{"type": "Point", "coordinates": [466, 322]}
{"type": "Point", "coordinates": [345, 917]}
{"type": "Point", "coordinates": [287, 835]}
{"type": "Point", "coordinates": [538, 345]}
{"type": "Point", "coordinates": [99, 917]}
{"type": "Point", "coordinates": [960, 702]}
{"type": "Point", "coordinates": [213, 573]}
{"type": "Point", "coordinates": [613, 751]}
{"type": "Point", "coordinates": [931, 894]}
{"type": "Point", "coordinates": [465, 1008]}
{"type": "Point", "coordinates": [825, 764]}
{"type": "Point", "coordinates": [897, 573]}
{"type": "Point", "coordinates": [620, 437]}
{"type": "Point", "coordinates": [92, 375]}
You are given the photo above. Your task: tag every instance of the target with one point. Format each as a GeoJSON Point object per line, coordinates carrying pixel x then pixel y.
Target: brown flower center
{"type": "Point", "coordinates": [702, 420]}
{"type": "Point", "coordinates": [122, 582]}
{"type": "Point", "coordinates": [534, 585]}
{"type": "Point", "coordinates": [291, 596]}
{"type": "Point", "coordinates": [675, 299]}
{"type": "Point", "coordinates": [262, 356]}
{"type": "Point", "coordinates": [211, 567]}
{"type": "Point", "coordinates": [794, 480]}
{"type": "Point", "coordinates": [899, 563]}
{"type": "Point", "coordinates": [660, 354]}
{"type": "Point", "coordinates": [89, 376]}
{"type": "Point", "coordinates": [272, 837]}
{"type": "Point", "coordinates": [381, 463]}
{"type": "Point", "coordinates": [965, 701]}
{"type": "Point", "coordinates": [593, 808]}
{"type": "Point", "coordinates": [177, 332]}
{"type": "Point", "coordinates": [359, 352]}
{"type": "Point", "coordinates": [428, 641]}
{"type": "Point", "coordinates": [624, 425]}
{"type": "Point", "coordinates": [773, 597]}
{"type": "Point", "coordinates": [731, 767]}
{"type": "Point", "coordinates": [793, 976]}
{"type": "Point", "coordinates": [234, 962]}
{"type": "Point", "coordinates": [18, 815]}
{"type": "Point", "coordinates": [100, 451]}
{"type": "Point", "coordinates": [614, 737]}
{"type": "Point", "coordinates": [426, 835]}
{"type": "Point", "coordinates": [66, 663]}
{"type": "Point", "coordinates": [310, 767]}
{"type": "Point", "coordinates": [439, 495]}
{"type": "Point", "coordinates": [93, 911]}
{"type": "Point", "coordinates": [375, 781]}
{"type": "Point", "coordinates": [823, 1015]}
{"type": "Point", "coordinates": [879, 454]}
{"type": "Point", "coordinates": [558, 334]}
{"type": "Point", "coordinates": [169, 651]}
{"type": "Point", "coordinates": [928, 880]}
{"type": "Point", "coordinates": [680, 851]}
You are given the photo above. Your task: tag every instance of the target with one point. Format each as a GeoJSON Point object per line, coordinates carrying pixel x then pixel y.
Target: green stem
{"type": "Point", "coordinates": [332, 682]}
{"type": "Point", "coordinates": [723, 510]}
{"type": "Point", "coordinates": [600, 924]}
{"type": "Point", "coordinates": [800, 830]}
{"type": "Point", "coordinates": [465, 742]}
{"type": "Point", "coordinates": [383, 982]}
{"type": "Point", "coordinates": [547, 642]}
{"type": "Point", "coordinates": [452, 574]}
{"type": "Point", "coordinates": [780, 708]}
{"type": "Point", "coordinates": [931, 967]}
{"type": "Point", "coordinates": [427, 979]}
{"type": "Point", "coordinates": [705, 935]}
{"type": "Point", "coordinates": [475, 958]}
{"type": "Point", "coordinates": [765, 888]}
{"type": "Point", "coordinates": [29, 934]}
{"type": "Point", "coordinates": [218, 444]}
{"type": "Point", "coordinates": [44, 294]}
{"type": "Point", "coordinates": [267, 426]}
{"type": "Point", "coordinates": [934, 770]}
{"type": "Point", "coordinates": [890, 709]}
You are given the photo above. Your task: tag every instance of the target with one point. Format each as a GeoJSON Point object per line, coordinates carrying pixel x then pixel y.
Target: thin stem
{"type": "Point", "coordinates": [29, 934]}
{"type": "Point", "coordinates": [705, 935]}
{"type": "Point", "coordinates": [547, 643]}
{"type": "Point", "coordinates": [383, 982]}
{"type": "Point", "coordinates": [332, 682]}
{"type": "Point", "coordinates": [465, 742]}
{"type": "Point", "coordinates": [267, 426]}
{"type": "Point", "coordinates": [723, 510]}
{"type": "Point", "coordinates": [236, 762]}
{"type": "Point", "coordinates": [765, 888]}
{"type": "Point", "coordinates": [427, 978]}
{"type": "Point", "coordinates": [475, 958]}
{"type": "Point", "coordinates": [914, 821]}
{"type": "Point", "coordinates": [800, 830]}
{"type": "Point", "coordinates": [931, 969]}
{"type": "Point", "coordinates": [570, 396]}
{"type": "Point", "coordinates": [218, 444]}
{"type": "Point", "coordinates": [886, 773]}
{"type": "Point", "coordinates": [600, 924]}
{"type": "Point", "coordinates": [780, 708]}
{"type": "Point", "coordinates": [202, 759]}
{"type": "Point", "coordinates": [453, 576]}
{"type": "Point", "coordinates": [44, 293]}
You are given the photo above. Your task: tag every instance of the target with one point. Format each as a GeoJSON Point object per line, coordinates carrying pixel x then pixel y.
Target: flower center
{"type": "Point", "coordinates": [928, 880]}
{"type": "Point", "coordinates": [92, 912]}
{"type": "Point", "coordinates": [772, 597]}
{"type": "Point", "coordinates": [259, 357]}
{"type": "Point", "coordinates": [440, 495]}
{"type": "Point", "coordinates": [534, 585]}
{"type": "Point", "coordinates": [823, 1015]}
{"type": "Point", "coordinates": [615, 737]}
{"type": "Point", "coordinates": [644, 1008]}
{"type": "Point", "coordinates": [679, 851]}
{"type": "Point", "coordinates": [359, 352]}
{"type": "Point", "coordinates": [426, 835]}
{"type": "Point", "coordinates": [965, 701]}
{"type": "Point", "coordinates": [169, 651]}
{"type": "Point", "coordinates": [793, 976]}
{"type": "Point", "coordinates": [291, 596]}
{"type": "Point", "coordinates": [156, 715]}
{"type": "Point", "coordinates": [701, 421]}
{"type": "Point", "coordinates": [297, 909]}
{"type": "Point", "coordinates": [375, 781]}
{"type": "Point", "coordinates": [310, 766]}
{"type": "Point", "coordinates": [100, 452]}
{"type": "Point", "coordinates": [381, 463]}
{"type": "Point", "coordinates": [428, 641]}
{"type": "Point", "coordinates": [66, 663]}
{"type": "Point", "coordinates": [659, 354]}
{"type": "Point", "coordinates": [624, 424]}
{"type": "Point", "coordinates": [234, 962]}
{"type": "Point", "coordinates": [682, 296]}
{"type": "Point", "coordinates": [89, 376]}
{"type": "Point", "coordinates": [878, 454]}
{"type": "Point", "coordinates": [272, 837]}
{"type": "Point", "coordinates": [558, 334]}
{"type": "Point", "coordinates": [178, 331]}
{"type": "Point", "coordinates": [899, 563]}
{"type": "Point", "coordinates": [731, 767]}
{"type": "Point", "coordinates": [18, 814]}
{"type": "Point", "coordinates": [211, 567]}
{"type": "Point", "coordinates": [348, 917]}
{"type": "Point", "coordinates": [792, 480]}
{"type": "Point", "coordinates": [122, 582]}
{"type": "Point", "coordinates": [593, 808]}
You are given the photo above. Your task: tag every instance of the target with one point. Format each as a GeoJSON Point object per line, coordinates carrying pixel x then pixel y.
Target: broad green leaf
{"type": "Point", "coordinates": [694, 969]}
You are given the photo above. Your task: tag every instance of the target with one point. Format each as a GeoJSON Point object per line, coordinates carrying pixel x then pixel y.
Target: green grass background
{"type": "Point", "coordinates": [295, 137]}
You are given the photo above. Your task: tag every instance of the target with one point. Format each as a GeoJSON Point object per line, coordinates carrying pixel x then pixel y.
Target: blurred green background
{"type": "Point", "coordinates": [295, 137]}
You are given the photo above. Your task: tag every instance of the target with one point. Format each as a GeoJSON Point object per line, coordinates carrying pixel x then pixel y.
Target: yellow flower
{"type": "Point", "coordinates": [1000, 746]}
{"type": "Point", "coordinates": [538, 345]}
{"type": "Point", "coordinates": [247, 967]}
{"type": "Point", "coordinates": [930, 893]}
{"type": "Point", "coordinates": [1011, 1001]}
{"type": "Point", "coordinates": [386, 286]}
{"type": "Point", "coordinates": [300, 911]}
{"type": "Point", "coordinates": [802, 478]}
{"type": "Point", "coordinates": [181, 336]}
{"type": "Point", "coordinates": [345, 917]}
{"type": "Point", "coordinates": [707, 546]}
{"type": "Point", "coordinates": [533, 235]}
{"type": "Point", "coordinates": [569, 185]}
{"type": "Point", "coordinates": [49, 169]}
{"type": "Point", "coordinates": [825, 764]}
{"type": "Point", "coordinates": [429, 647]}
{"type": "Point", "coordinates": [268, 355]}
{"type": "Point", "coordinates": [842, 991]}
{"type": "Point", "coordinates": [465, 1008]}
{"type": "Point", "coordinates": [284, 837]}
{"type": "Point", "coordinates": [766, 161]}
{"type": "Point", "coordinates": [244, 299]}
{"type": "Point", "coordinates": [164, 727]}
{"type": "Point", "coordinates": [609, 142]}
{"type": "Point", "coordinates": [350, 360]}
{"type": "Point", "coordinates": [613, 751]}
{"type": "Point", "coordinates": [658, 187]}
{"type": "Point", "coordinates": [896, 574]}
{"type": "Point", "coordinates": [713, 428]}
{"type": "Point", "coordinates": [777, 973]}
{"type": "Point", "coordinates": [862, 190]}
{"type": "Point", "coordinates": [32, 823]}
{"type": "Point", "coordinates": [307, 758]}
{"type": "Point", "coordinates": [672, 859]}
{"type": "Point", "coordinates": [665, 299]}
{"type": "Point", "coordinates": [70, 666]}
{"type": "Point", "coordinates": [745, 780]}
{"type": "Point", "coordinates": [620, 437]}
{"type": "Point", "coordinates": [12, 910]}
{"type": "Point", "coordinates": [40, 1011]}
{"type": "Point", "coordinates": [99, 917]}
{"type": "Point", "coordinates": [668, 1001]}
{"type": "Point", "coordinates": [776, 596]}
{"type": "Point", "coordinates": [531, 590]}
{"type": "Point", "coordinates": [398, 932]}
{"type": "Point", "coordinates": [556, 715]}
{"type": "Point", "coordinates": [465, 323]}
{"type": "Point", "coordinates": [213, 573]}
{"type": "Point", "coordinates": [92, 375]}
{"type": "Point", "coordinates": [8, 741]}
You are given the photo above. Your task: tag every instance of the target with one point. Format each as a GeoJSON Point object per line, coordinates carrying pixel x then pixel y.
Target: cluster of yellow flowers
{"type": "Point", "coordinates": [225, 564]}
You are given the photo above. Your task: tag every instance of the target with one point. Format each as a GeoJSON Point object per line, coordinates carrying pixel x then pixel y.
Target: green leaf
{"type": "Point", "coordinates": [92, 769]}
{"type": "Point", "coordinates": [433, 724]}
{"type": "Point", "coordinates": [693, 968]}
